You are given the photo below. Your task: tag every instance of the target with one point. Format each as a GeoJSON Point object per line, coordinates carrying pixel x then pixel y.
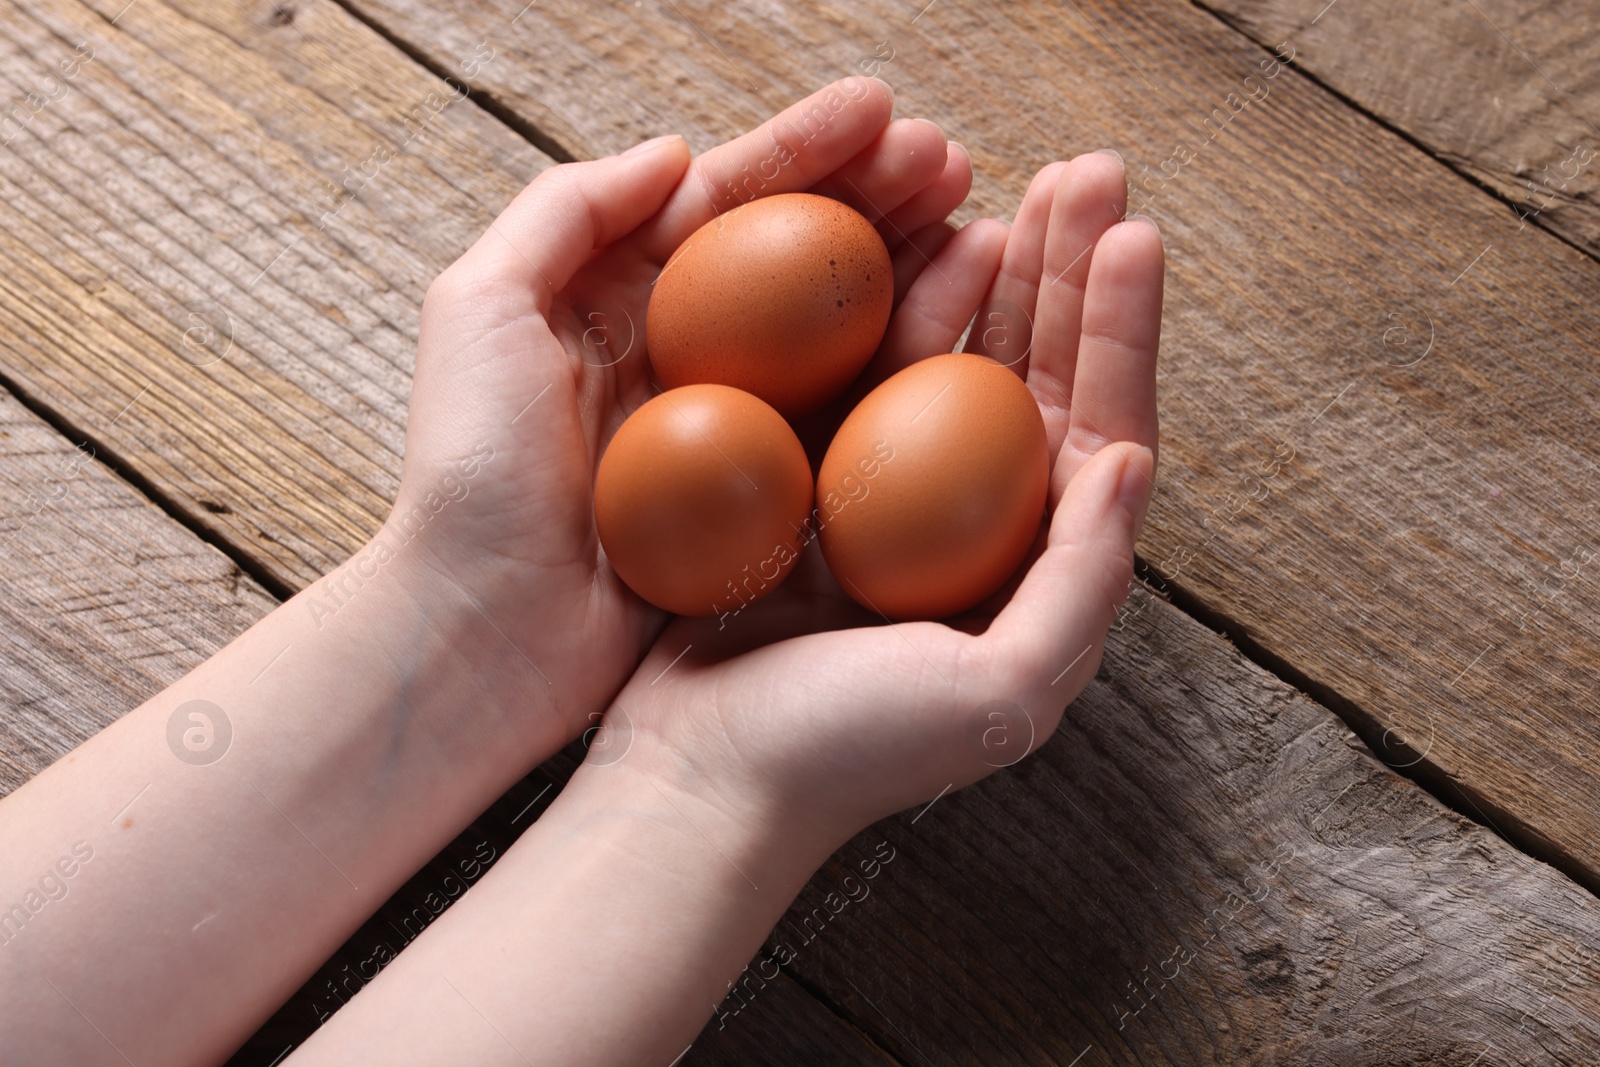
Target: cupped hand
{"type": "Point", "coordinates": [532, 353]}
{"type": "Point", "coordinates": [809, 714]}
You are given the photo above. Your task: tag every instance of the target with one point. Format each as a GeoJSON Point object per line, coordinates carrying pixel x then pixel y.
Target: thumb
{"type": "Point", "coordinates": [568, 212]}
{"type": "Point", "coordinates": [1054, 629]}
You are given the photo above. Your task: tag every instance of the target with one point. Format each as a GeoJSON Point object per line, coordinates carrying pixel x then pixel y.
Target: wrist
{"type": "Point", "coordinates": [450, 660]}
{"type": "Point", "coordinates": [758, 839]}
{"type": "Point", "coordinates": [526, 619]}
{"type": "Point", "coordinates": [752, 850]}
{"type": "Point", "coordinates": [626, 899]}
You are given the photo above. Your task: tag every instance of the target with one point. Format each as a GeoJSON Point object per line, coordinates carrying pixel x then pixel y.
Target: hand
{"type": "Point", "coordinates": [810, 717]}
{"type": "Point", "coordinates": [737, 758]}
{"type": "Point", "coordinates": [532, 353]}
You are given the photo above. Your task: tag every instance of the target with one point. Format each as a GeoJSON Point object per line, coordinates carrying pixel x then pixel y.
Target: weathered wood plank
{"type": "Point", "coordinates": [1008, 919]}
{"type": "Point", "coordinates": [793, 1029]}
{"type": "Point", "coordinates": [1505, 91]}
{"type": "Point", "coordinates": [1194, 777]}
{"type": "Point", "coordinates": [105, 601]}
{"type": "Point", "coordinates": [215, 265]}
{"type": "Point", "coordinates": [1202, 867]}
{"type": "Point", "coordinates": [1380, 419]}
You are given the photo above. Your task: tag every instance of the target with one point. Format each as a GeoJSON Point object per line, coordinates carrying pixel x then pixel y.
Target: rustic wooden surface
{"type": "Point", "coordinates": [177, 243]}
{"type": "Point", "coordinates": [1194, 818]}
{"type": "Point", "coordinates": [105, 601]}
{"type": "Point", "coordinates": [1505, 91]}
{"type": "Point", "coordinates": [1377, 477]}
{"type": "Point", "coordinates": [1204, 867]}
{"type": "Point", "coordinates": [1379, 414]}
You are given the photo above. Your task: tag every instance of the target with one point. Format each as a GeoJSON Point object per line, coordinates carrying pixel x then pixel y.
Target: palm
{"type": "Point", "coordinates": [533, 344]}
{"type": "Point", "coordinates": [815, 705]}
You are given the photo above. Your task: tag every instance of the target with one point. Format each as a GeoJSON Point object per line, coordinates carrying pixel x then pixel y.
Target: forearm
{"type": "Point", "coordinates": [212, 873]}
{"type": "Point", "coordinates": [607, 935]}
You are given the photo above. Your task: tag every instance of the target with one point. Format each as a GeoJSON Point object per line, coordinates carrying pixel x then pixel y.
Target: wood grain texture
{"type": "Point", "coordinates": [1202, 867]}
{"type": "Point", "coordinates": [1009, 924]}
{"type": "Point", "coordinates": [1380, 421]}
{"type": "Point", "coordinates": [105, 601]}
{"type": "Point", "coordinates": [214, 264]}
{"type": "Point", "coordinates": [1505, 91]}
{"type": "Point", "coordinates": [1005, 922]}
{"type": "Point", "coordinates": [790, 1028]}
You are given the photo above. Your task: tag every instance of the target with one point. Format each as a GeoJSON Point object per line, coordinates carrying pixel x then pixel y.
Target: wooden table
{"type": "Point", "coordinates": [1331, 799]}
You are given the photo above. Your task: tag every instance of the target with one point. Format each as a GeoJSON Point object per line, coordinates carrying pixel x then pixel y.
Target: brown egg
{"type": "Point", "coordinates": [934, 488]}
{"type": "Point", "coordinates": [786, 297]}
{"type": "Point", "coordinates": [701, 498]}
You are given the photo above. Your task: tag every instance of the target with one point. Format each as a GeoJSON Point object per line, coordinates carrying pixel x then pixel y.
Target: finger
{"type": "Point", "coordinates": [900, 162]}
{"type": "Point", "coordinates": [1050, 636]}
{"type": "Point", "coordinates": [941, 302]}
{"type": "Point", "coordinates": [913, 256]}
{"type": "Point", "coordinates": [1091, 198]}
{"type": "Point", "coordinates": [790, 152]}
{"type": "Point", "coordinates": [1017, 285]}
{"type": "Point", "coordinates": [933, 203]}
{"type": "Point", "coordinates": [554, 225]}
{"type": "Point", "coordinates": [1114, 390]}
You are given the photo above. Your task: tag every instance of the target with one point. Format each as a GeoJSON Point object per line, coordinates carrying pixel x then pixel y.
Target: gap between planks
{"type": "Point", "coordinates": [109, 458]}
{"type": "Point", "coordinates": [1422, 773]}
{"type": "Point", "coordinates": [1536, 219]}
{"type": "Point", "coordinates": [508, 118]}
{"type": "Point", "coordinates": [1425, 775]}
{"type": "Point", "coordinates": [820, 995]}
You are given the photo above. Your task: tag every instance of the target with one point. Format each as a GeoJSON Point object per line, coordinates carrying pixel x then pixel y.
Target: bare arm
{"type": "Point", "coordinates": [159, 903]}
{"type": "Point", "coordinates": [609, 932]}
{"type": "Point", "coordinates": [174, 879]}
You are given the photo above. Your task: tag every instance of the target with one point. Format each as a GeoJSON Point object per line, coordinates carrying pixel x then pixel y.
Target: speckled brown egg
{"type": "Point", "coordinates": [786, 297]}
{"type": "Point", "coordinates": [934, 488]}
{"type": "Point", "coordinates": [701, 499]}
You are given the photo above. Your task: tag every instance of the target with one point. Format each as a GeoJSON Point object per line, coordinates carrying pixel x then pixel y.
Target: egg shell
{"type": "Point", "coordinates": [786, 297]}
{"type": "Point", "coordinates": [701, 499]}
{"type": "Point", "coordinates": [934, 487]}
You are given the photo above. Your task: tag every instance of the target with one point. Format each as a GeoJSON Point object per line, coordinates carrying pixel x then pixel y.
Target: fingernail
{"type": "Point", "coordinates": [1113, 153]}
{"type": "Point", "coordinates": [1139, 216]}
{"type": "Point", "coordinates": [654, 142]}
{"type": "Point", "coordinates": [1136, 484]}
{"type": "Point", "coordinates": [958, 144]}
